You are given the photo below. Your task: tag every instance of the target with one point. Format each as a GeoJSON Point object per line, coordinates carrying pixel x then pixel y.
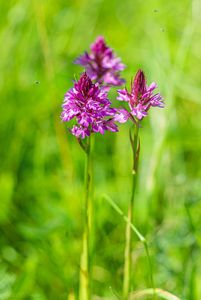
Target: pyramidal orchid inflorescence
{"type": "Point", "coordinates": [89, 104]}
{"type": "Point", "coordinates": [140, 99]}
{"type": "Point", "coordinates": [101, 64]}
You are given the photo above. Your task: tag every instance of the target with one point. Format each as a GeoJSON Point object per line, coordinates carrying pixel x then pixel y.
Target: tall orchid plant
{"type": "Point", "coordinates": [140, 99]}
{"type": "Point", "coordinates": [87, 102]}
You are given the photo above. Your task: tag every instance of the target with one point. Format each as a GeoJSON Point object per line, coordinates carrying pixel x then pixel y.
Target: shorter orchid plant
{"type": "Point", "coordinates": [88, 104]}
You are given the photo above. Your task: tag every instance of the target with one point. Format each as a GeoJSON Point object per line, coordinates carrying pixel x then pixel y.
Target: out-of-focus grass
{"type": "Point", "coordinates": [41, 180]}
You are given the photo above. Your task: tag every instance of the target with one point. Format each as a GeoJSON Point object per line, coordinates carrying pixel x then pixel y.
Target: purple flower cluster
{"type": "Point", "coordinates": [140, 99]}
{"type": "Point", "coordinates": [101, 64]}
{"type": "Point", "coordinates": [88, 101]}
{"type": "Point", "coordinates": [89, 104]}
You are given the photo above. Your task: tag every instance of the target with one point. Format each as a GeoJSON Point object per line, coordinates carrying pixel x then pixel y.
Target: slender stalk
{"type": "Point", "coordinates": [140, 237]}
{"type": "Point", "coordinates": [128, 241]}
{"type": "Point", "coordinates": [84, 288]}
{"type": "Point", "coordinates": [150, 269]}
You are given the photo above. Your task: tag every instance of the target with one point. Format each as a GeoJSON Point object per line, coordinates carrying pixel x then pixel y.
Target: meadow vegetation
{"type": "Point", "coordinates": [42, 166]}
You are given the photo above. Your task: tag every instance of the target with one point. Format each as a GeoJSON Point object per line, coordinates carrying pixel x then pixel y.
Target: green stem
{"type": "Point", "coordinates": [84, 289]}
{"type": "Point", "coordinates": [150, 269]}
{"type": "Point", "coordinates": [140, 237]}
{"type": "Point", "coordinates": [128, 241]}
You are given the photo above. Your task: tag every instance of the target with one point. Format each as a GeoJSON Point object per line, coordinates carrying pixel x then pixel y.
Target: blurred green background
{"type": "Point", "coordinates": [42, 166]}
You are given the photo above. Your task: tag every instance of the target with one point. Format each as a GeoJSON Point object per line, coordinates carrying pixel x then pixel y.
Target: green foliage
{"type": "Point", "coordinates": [42, 166]}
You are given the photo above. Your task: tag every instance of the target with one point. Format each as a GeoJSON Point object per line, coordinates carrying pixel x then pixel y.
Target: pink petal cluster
{"type": "Point", "coordinates": [101, 64]}
{"type": "Point", "coordinates": [140, 99]}
{"type": "Point", "coordinates": [88, 103]}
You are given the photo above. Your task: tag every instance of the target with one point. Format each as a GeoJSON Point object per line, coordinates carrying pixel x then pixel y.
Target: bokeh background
{"type": "Point", "coordinates": [42, 166]}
